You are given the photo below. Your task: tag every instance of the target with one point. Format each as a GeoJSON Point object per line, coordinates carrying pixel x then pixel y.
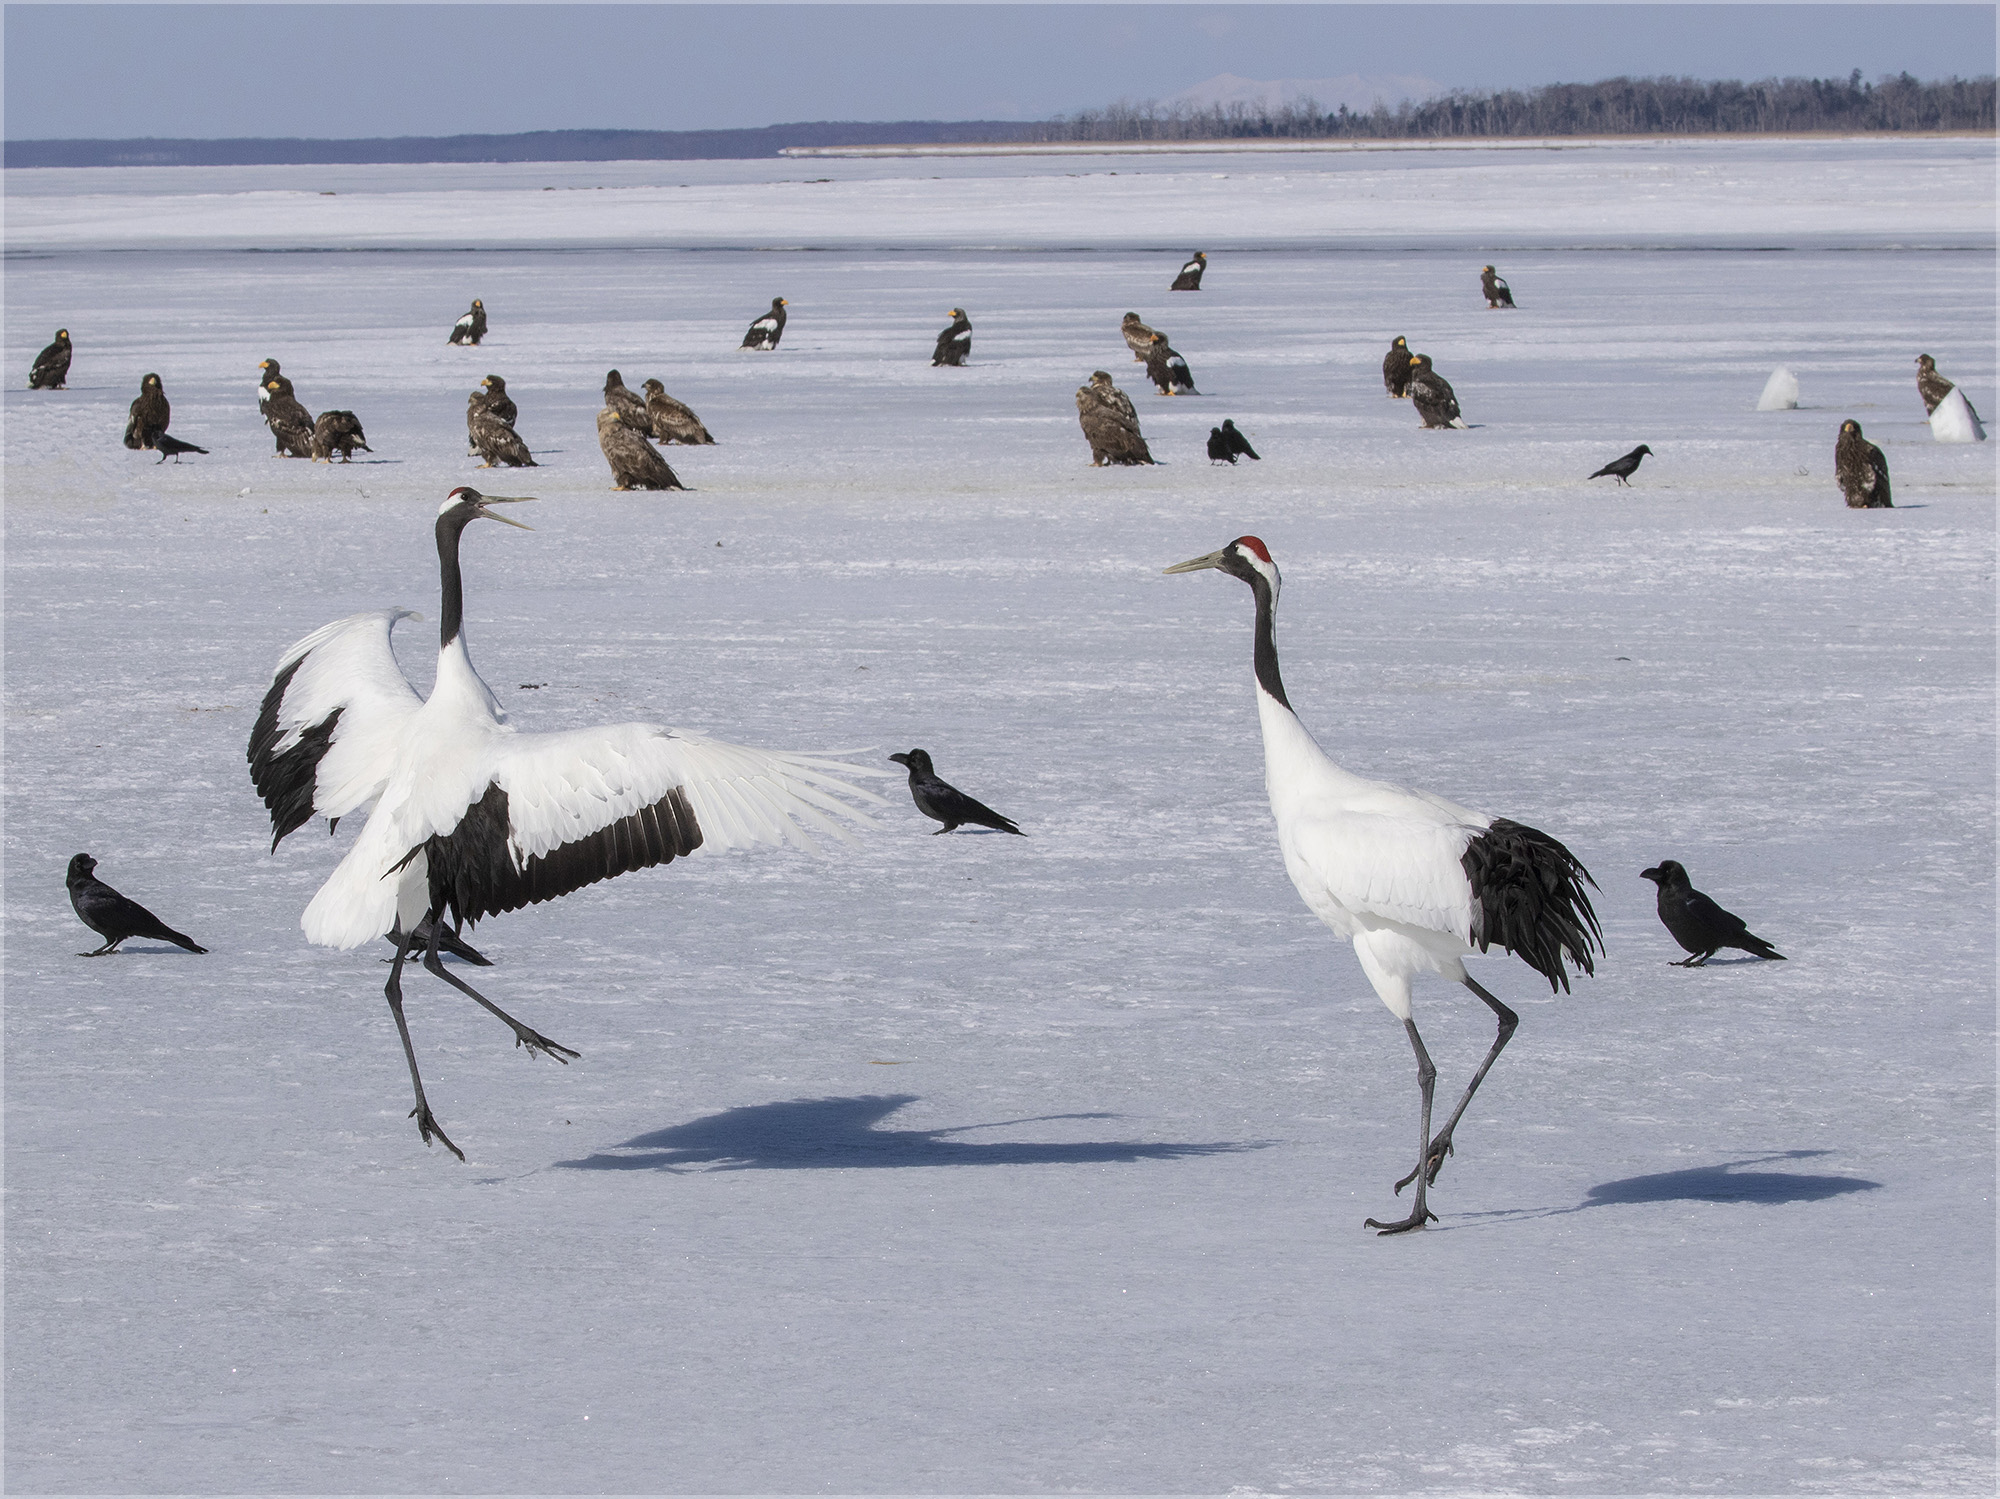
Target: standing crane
{"type": "Point", "coordinates": [1417, 882]}
{"type": "Point", "coordinates": [476, 818]}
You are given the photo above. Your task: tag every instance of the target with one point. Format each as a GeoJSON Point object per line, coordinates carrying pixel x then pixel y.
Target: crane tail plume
{"type": "Point", "coordinates": [1529, 891]}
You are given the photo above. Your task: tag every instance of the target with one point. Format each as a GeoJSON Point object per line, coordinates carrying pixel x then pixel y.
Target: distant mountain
{"type": "Point", "coordinates": [1357, 92]}
{"type": "Point", "coordinates": [537, 145]}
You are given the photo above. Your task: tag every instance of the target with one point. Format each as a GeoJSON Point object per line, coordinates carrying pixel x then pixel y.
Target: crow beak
{"type": "Point", "coordinates": [1651, 874]}
{"type": "Point", "coordinates": [1196, 564]}
{"type": "Point", "coordinates": [504, 499]}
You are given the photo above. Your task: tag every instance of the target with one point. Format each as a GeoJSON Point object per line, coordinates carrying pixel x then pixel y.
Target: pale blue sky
{"type": "Point", "coordinates": [374, 70]}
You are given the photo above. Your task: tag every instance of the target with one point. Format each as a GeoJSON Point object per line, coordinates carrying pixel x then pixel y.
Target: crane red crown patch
{"type": "Point", "coordinates": [1252, 544]}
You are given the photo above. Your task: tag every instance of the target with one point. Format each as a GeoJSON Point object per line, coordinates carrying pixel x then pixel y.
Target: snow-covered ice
{"type": "Point", "coordinates": [1781, 392]}
{"type": "Point", "coordinates": [1955, 420]}
{"type": "Point", "coordinates": [991, 1164]}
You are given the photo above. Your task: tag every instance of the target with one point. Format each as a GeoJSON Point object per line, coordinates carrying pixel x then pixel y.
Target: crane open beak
{"type": "Point", "coordinates": [504, 499]}
{"type": "Point", "coordinates": [1196, 564]}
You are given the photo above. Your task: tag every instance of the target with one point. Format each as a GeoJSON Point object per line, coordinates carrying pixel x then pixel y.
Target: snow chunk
{"type": "Point", "coordinates": [1781, 391]}
{"type": "Point", "coordinates": [1955, 421]}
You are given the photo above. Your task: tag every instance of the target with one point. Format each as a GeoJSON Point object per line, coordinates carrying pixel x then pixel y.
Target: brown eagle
{"type": "Point", "coordinates": [492, 436]}
{"type": "Point", "coordinates": [1497, 292]}
{"type": "Point", "coordinates": [1396, 369]}
{"type": "Point", "coordinates": [631, 410]}
{"type": "Point", "coordinates": [1138, 337]}
{"type": "Point", "coordinates": [1436, 401]}
{"type": "Point", "coordinates": [633, 462]}
{"type": "Point", "coordinates": [767, 330]}
{"type": "Point", "coordinates": [1862, 470]}
{"type": "Point", "coordinates": [471, 327]}
{"type": "Point", "coordinates": [150, 414]}
{"type": "Point", "coordinates": [291, 424]}
{"type": "Point", "coordinates": [1933, 387]}
{"type": "Point", "coordinates": [955, 342]}
{"type": "Point", "coordinates": [337, 432]}
{"type": "Point", "coordinates": [1109, 423]}
{"type": "Point", "coordinates": [671, 420]}
{"type": "Point", "coordinates": [51, 367]}
{"type": "Point", "coordinates": [1167, 369]}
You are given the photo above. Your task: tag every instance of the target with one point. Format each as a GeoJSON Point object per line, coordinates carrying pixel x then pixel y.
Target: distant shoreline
{"type": "Point", "coordinates": [820, 140]}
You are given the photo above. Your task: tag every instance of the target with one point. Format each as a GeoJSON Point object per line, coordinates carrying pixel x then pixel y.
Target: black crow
{"type": "Point", "coordinates": [1698, 923]}
{"type": "Point", "coordinates": [173, 445]}
{"type": "Point", "coordinates": [1218, 447]}
{"type": "Point", "coordinates": [942, 802]}
{"type": "Point", "coordinates": [1238, 443]}
{"type": "Point", "coordinates": [1622, 469]}
{"type": "Point", "coordinates": [111, 915]}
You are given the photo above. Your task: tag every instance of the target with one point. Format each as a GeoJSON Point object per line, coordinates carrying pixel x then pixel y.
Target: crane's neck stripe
{"type": "Point", "coordinates": [1266, 653]}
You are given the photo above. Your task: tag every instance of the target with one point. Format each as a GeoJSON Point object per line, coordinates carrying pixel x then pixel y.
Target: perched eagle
{"type": "Point", "coordinates": [631, 410]}
{"type": "Point", "coordinates": [470, 328]}
{"type": "Point", "coordinates": [768, 329]}
{"type": "Point", "coordinates": [1436, 401]}
{"type": "Point", "coordinates": [955, 342]}
{"type": "Point", "coordinates": [1167, 369]}
{"type": "Point", "coordinates": [1190, 277]}
{"type": "Point", "coordinates": [1109, 423]}
{"type": "Point", "coordinates": [51, 367]}
{"type": "Point", "coordinates": [1396, 369]}
{"type": "Point", "coordinates": [1862, 470]}
{"type": "Point", "coordinates": [671, 420]}
{"type": "Point", "coordinates": [337, 432]}
{"type": "Point", "coordinates": [492, 436]}
{"type": "Point", "coordinates": [150, 415]}
{"type": "Point", "coordinates": [1138, 337]}
{"type": "Point", "coordinates": [1497, 292]}
{"type": "Point", "coordinates": [493, 396]}
{"type": "Point", "coordinates": [1932, 386]}
{"type": "Point", "coordinates": [633, 462]}
{"type": "Point", "coordinates": [291, 424]}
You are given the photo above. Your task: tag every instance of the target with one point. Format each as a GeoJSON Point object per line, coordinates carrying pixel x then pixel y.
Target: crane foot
{"type": "Point", "coordinates": [541, 1045]}
{"type": "Point", "coordinates": [427, 1127]}
{"type": "Point", "coordinates": [1433, 1163]}
{"type": "Point", "coordinates": [1416, 1219]}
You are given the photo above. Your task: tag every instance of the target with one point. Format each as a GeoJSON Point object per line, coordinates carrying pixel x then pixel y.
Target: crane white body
{"type": "Point", "coordinates": [1414, 881]}
{"type": "Point", "coordinates": [472, 816]}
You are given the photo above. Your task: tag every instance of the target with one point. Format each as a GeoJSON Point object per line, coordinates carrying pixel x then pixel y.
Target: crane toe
{"type": "Point", "coordinates": [1417, 1219]}
{"type": "Point", "coordinates": [427, 1127]}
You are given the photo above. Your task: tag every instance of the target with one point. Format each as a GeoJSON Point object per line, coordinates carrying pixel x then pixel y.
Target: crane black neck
{"type": "Point", "coordinates": [1266, 653]}
{"type": "Point", "coordinates": [451, 608]}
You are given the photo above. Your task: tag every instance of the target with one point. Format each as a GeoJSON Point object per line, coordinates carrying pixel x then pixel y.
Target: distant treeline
{"type": "Point", "coordinates": [1615, 106]}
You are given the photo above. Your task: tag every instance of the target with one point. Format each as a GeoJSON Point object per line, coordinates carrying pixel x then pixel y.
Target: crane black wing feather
{"type": "Point", "coordinates": [473, 870]}
{"type": "Point", "coordinates": [1528, 897]}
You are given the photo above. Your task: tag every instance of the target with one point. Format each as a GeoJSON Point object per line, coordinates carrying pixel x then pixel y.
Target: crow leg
{"type": "Point", "coordinates": [427, 1126]}
{"type": "Point", "coordinates": [523, 1035]}
{"type": "Point", "coordinates": [1427, 1080]}
{"type": "Point", "coordinates": [98, 952]}
{"type": "Point", "coordinates": [1441, 1146]}
{"type": "Point", "coordinates": [1694, 960]}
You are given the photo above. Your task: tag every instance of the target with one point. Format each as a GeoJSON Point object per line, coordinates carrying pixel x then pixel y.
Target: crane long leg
{"type": "Point", "coordinates": [1441, 1146]}
{"type": "Point", "coordinates": [426, 1125]}
{"type": "Point", "coordinates": [523, 1035]}
{"type": "Point", "coordinates": [1427, 1080]}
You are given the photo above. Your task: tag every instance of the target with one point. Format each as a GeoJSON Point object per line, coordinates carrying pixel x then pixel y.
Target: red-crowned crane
{"type": "Point", "coordinates": [473, 817]}
{"type": "Point", "coordinates": [1417, 882]}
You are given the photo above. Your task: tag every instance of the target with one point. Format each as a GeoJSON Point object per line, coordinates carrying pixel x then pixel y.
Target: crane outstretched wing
{"type": "Point", "coordinates": [325, 738]}
{"type": "Point", "coordinates": [524, 818]}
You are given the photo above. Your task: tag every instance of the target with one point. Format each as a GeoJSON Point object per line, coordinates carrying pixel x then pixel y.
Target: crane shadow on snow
{"type": "Point", "coordinates": [842, 1134]}
{"type": "Point", "coordinates": [1725, 1183]}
